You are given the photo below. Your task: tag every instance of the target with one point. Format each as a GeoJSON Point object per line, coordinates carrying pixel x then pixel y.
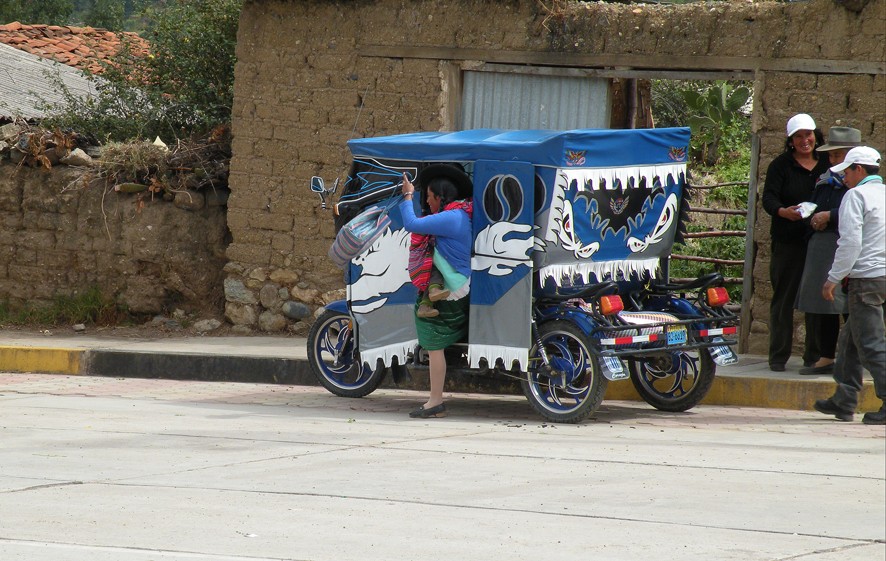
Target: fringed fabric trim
{"type": "Point", "coordinates": [594, 178]}
{"type": "Point", "coordinates": [492, 353]}
{"type": "Point", "coordinates": [601, 270]}
{"type": "Point", "coordinates": [387, 353]}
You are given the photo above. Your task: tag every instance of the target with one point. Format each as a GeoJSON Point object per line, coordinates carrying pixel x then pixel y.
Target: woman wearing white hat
{"type": "Point", "coordinates": [789, 182]}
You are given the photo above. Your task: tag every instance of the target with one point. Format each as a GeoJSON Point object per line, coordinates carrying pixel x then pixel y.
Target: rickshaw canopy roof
{"type": "Point", "coordinates": [597, 147]}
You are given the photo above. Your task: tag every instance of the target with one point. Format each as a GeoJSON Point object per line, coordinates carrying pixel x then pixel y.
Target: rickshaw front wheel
{"type": "Point", "coordinates": [574, 388]}
{"type": "Point", "coordinates": [333, 356]}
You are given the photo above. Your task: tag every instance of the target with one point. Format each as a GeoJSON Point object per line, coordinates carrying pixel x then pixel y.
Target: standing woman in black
{"type": "Point", "coordinates": [789, 182]}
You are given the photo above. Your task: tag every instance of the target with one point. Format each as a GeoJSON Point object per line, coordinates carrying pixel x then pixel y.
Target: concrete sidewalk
{"type": "Point", "coordinates": [283, 360]}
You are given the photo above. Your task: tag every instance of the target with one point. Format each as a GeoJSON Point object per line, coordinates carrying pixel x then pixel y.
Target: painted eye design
{"type": "Point", "coordinates": [503, 198]}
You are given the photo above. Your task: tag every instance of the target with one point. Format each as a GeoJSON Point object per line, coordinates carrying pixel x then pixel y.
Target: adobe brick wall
{"type": "Point", "coordinates": [59, 238]}
{"type": "Point", "coordinates": [301, 81]}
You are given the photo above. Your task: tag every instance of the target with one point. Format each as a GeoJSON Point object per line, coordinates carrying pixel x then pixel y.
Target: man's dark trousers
{"type": "Point", "coordinates": [862, 343]}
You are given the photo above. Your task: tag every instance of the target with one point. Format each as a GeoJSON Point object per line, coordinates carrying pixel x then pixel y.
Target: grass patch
{"type": "Point", "coordinates": [90, 307]}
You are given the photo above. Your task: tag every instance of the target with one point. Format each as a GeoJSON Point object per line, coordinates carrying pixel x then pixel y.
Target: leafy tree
{"type": "Point", "coordinates": [107, 14]}
{"type": "Point", "coordinates": [114, 15]}
{"type": "Point", "coordinates": [52, 12]}
{"type": "Point", "coordinates": [120, 111]}
{"type": "Point", "coordinates": [192, 59]}
{"type": "Point", "coordinates": [183, 88]}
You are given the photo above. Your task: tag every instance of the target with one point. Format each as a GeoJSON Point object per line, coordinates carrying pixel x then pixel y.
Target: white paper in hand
{"type": "Point", "coordinates": [806, 209]}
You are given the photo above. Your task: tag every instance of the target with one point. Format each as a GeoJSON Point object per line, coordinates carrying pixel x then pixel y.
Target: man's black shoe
{"type": "Point", "coordinates": [816, 370]}
{"type": "Point", "coordinates": [776, 367]}
{"type": "Point", "coordinates": [875, 418]}
{"type": "Point", "coordinates": [827, 407]}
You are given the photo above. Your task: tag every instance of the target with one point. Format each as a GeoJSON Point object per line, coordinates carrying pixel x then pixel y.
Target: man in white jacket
{"type": "Point", "coordinates": [860, 258]}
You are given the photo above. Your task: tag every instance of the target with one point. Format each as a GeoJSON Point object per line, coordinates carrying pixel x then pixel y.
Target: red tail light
{"type": "Point", "coordinates": [718, 296]}
{"type": "Point", "coordinates": [611, 304]}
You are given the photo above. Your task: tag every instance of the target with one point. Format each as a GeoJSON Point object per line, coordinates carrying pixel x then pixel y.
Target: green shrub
{"type": "Point", "coordinates": [119, 112]}
{"type": "Point", "coordinates": [712, 113]}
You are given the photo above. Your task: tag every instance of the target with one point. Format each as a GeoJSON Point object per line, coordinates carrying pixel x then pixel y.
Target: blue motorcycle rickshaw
{"type": "Point", "coordinates": [571, 229]}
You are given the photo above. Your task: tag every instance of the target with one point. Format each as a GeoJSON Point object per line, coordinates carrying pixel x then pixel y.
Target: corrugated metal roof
{"type": "Point", "coordinates": [26, 79]}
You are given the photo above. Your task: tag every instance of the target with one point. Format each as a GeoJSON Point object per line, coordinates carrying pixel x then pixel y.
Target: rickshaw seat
{"type": "Point", "coordinates": [703, 281]}
{"type": "Point", "coordinates": [589, 292]}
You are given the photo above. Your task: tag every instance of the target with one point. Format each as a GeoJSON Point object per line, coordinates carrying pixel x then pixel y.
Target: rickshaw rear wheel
{"type": "Point", "coordinates": [569, 400]}
{"type": "Point", "coordinates": [334, 358]}
{"type": "Point", "coordinates": [675, 381]}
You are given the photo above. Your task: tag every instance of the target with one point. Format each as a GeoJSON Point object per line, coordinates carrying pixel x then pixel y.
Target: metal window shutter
{"type": "Point", "coordinates": [523, 101]}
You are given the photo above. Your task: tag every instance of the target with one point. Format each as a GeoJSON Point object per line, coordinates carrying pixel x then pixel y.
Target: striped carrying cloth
{"type": "Point", "coordinates": [421, 260]}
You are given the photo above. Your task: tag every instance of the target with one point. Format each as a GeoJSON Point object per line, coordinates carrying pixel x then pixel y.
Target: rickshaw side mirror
{"type": "Point", "coordinates": [317, 185]}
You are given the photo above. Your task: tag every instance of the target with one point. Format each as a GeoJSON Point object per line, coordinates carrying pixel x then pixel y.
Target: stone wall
{"type": "Point", "coordinates": [59, 237]}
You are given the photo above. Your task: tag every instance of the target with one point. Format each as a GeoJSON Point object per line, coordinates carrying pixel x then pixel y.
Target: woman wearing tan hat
{"type": "Point", "coordinates": [789, 182]}
{"type": "Point", "coordinates": [820, 250]}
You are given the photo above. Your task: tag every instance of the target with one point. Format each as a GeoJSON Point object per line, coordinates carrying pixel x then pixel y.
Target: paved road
{"type": "Point", "coordinates": [109, 469]}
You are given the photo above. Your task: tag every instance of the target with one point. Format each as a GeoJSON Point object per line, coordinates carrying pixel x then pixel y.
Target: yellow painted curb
{"type": "Point", "coordinates": [760, 392]}
{"type": "Point", "coordinates": [39, 359]}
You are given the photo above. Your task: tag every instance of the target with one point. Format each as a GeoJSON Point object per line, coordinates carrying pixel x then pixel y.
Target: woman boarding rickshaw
{"type": "Point", "coordinates": [449, 222]}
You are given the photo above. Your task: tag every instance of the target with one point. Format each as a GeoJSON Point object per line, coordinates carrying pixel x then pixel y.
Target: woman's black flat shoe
{"type": "Point", "coordinates": [436, 411]}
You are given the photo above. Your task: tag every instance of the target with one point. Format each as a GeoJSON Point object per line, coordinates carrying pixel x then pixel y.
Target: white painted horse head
{"type": "Point", "coordinates": [385, 269]}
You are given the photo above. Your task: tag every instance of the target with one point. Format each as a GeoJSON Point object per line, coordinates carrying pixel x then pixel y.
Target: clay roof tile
{"type": "Point", "coordinates": [83, 45]}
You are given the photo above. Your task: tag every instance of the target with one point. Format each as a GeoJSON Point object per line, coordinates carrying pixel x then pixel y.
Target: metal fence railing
{"type": "Point", "coordinates": [715, 233]}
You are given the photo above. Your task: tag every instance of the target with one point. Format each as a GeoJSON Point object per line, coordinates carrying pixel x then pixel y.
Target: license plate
{"type": "Point", "coordinates": [676, 334]}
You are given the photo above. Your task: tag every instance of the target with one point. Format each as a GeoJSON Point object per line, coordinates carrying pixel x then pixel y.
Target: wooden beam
{"type": "Point", "coordinates": [629, 62]}
{"type": "Point", "coordinates": [609, 73]}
